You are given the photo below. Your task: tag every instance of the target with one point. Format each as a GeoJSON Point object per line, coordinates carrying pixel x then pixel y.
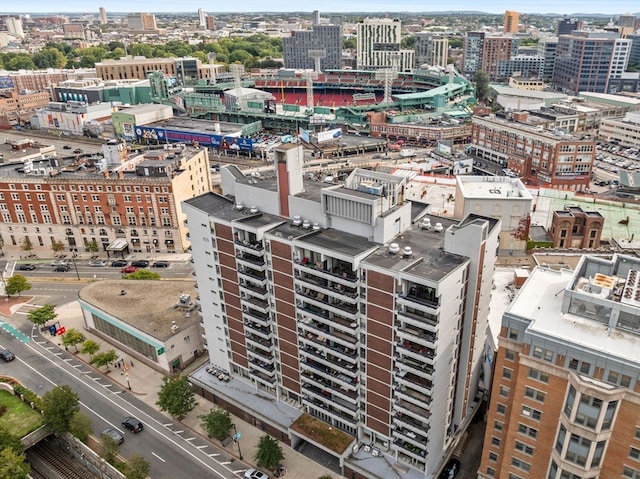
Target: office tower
{"type": "Point", "coordinates": [202, 18]}
{"type": "Point", "coordinates": [323, 37]}
{"type": "Point", "coordinates": [628, 21]}
{"type": "Point", "coordinates": [634, 53]}
{"type": "Point", "coordinates": [587, 61]}
{"type": "Point", "coordinates": [14, 26]}
{"type": "Point", "coordinates": [511, 21]}
{"type": "Point", "coordinates": [211, 23]}
{"type": "Point", "coordinates": [565, 396]}
{"type": "Point", "coordinates": [547, 47]}
{"type": "Point", "coordinates": [336, 19]}
{"type": "Point", "coordinates": [103, 16]}
{"type": "Point", "coordinates": [338, 299]}
{"type": "Point", "coordinates": [315, 17]}
{"type": "Point", "coordinates": [566, 26]}
{"type": "Point", "coordinates": [472, 54]}
{"type": "Point", "coordinates": [379, 45]}
{"type": "Point", "coordinates": [431, 49]}
{"type": "Point", "coordinates": [141, 21]}
{"type": "Point", "coordinates": [495, 50]}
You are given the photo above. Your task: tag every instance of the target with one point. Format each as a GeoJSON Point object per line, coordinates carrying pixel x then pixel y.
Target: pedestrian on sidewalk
{"type": "Point", "coordinates": [131, 363]}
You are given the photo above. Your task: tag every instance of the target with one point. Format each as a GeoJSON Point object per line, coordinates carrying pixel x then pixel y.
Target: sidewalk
{"type": "Point", "coordinates": [145, 383]}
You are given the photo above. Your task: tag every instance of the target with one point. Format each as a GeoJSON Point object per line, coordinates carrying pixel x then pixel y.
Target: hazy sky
{"type": "Point", "coordinates": [610, 7]}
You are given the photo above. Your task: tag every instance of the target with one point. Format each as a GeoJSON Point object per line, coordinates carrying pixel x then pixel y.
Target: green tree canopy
{"type": "Point", "coordinates": [137, 467]}
{"type": "Point", "coordinates": [49, 58]}
{"type": "Point", "coordinates": [90, 347]}
{"type": "Point", "coordinates": [176, 396]}
{"type": "Point", "coordinates": [26, 245]}
{"type": "Point", "coordinates": [58, 407]}
{"type": "Point", "coordinates": [109, 449]}
{"type": "Point", "coordinates": [57, 246]}
{"type": "Point", "coordinates": [269, 453]}
{"type": "Point", "coordinates": [482, 86]}
{"type": "Point", "coordinates": [73, 337]}
{"type": "Point", "coordinates": [92, 246]}
{"type": "Point", "coordinates": [13, 465]}
{"type": "Point", "coordinates": [217, 423]}
{"type": "Point", "coordinates": [43, 314]}
{"type": "Point", "coordinates": [104, 359]}
{"type": "Point", "coordinates": [8, 440]}
{"type": "Point", "coordinates": [80, 426]}
{"type": "Point", "coordinates": [16, 284]}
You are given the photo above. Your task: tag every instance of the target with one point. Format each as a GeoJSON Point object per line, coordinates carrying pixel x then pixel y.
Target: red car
{"type": "Point", "coordinates": [128, 269]}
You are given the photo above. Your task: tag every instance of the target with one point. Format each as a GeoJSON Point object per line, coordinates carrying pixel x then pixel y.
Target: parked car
{"type": "Point", "coordinates": [160, 264]}
{"type": "Point", "coordinates": [113, 434]}
{"type": "Point", "coordinates": [119, 263]}
{"type": "Point", "coordinates": [97, 263]}
{"type": "Point", "coordinates": [67, 147]}
{"type": "Point", "coordinates": [140, 263]}
{"type": "Point", "coordinates": [450, 470]}
{"type": "Point", "coordinates": [132, 424]}
{"type": "Point", "coordinates": [7, 355]}
{"type": "Point", "coordinates": [61, 268]}
{"type": "Point", "coordinates": [128, 269]}
{"type": "Point", "coordinates": [255, 474]}
{"type": "Point", "coordinates": [78, 151]}
{"type": "Point", "coordinates": [60, 262]}
{"type": "Point", "coordinates": [26, 267]}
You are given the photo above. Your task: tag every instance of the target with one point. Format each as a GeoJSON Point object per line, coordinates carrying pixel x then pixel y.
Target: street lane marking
{"type": "Point", "coordinates": [202, 447]}
{"type": "Point", "coordinates": [190, 438]}
{"type": "Point", "coordinates": [179, 432]}
{"type": "Point", "coordinates": [168, 424]}
{"type": "Point", "coordinates": [213, 455]}
{"type": "Point", "coordinates": [158, 456]}
{"type": "Point", "coordinates": [226, 462]}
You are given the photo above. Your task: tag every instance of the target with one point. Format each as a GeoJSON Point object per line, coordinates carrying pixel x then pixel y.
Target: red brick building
{"type": "Point", "coordinates": [574, 228]}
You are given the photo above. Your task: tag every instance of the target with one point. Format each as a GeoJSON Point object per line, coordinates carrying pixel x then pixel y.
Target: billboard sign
{"type": "Point", "coordinates": [329, 135]}
{"type": "Point", "coordinates": [204, 139]}
{"type": "Point", "coordinates": [303, 134]}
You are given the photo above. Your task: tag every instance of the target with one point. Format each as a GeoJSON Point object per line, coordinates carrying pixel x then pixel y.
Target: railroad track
{"type": "Point", "coordinates": [55, 463]}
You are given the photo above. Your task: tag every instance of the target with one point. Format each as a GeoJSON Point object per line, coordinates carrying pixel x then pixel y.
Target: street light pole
{"type": "Point", "coordinates": [236, 439]}
{"type": "Point", "coordinates": [73, 258]}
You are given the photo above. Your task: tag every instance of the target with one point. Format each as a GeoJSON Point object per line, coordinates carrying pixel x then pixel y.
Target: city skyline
{"type": "Point", "coordinates": [615, 7]}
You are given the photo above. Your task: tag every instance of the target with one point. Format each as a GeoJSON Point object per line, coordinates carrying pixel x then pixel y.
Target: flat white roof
{"type": "Point", "coordinates": [540, 301]}
{"type": "Point", "coordinates": [492, 187]}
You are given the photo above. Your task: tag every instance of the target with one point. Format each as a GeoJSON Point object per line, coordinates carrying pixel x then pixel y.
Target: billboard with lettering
{"type": "Point", "coordinates": [175, 136]}
{"type": "Point", "coordinates": [329, 135]}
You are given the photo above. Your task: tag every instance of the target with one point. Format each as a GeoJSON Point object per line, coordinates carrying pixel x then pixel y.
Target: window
{"type": "Point", "coordinates": [498, 426]}
{"type": "Point", "coordinates": [532, 413]}
{"type": "Point", "coordinates": [495, 441]}
{"type": "Point", "coordinates": [507, 373]}
{"type": "Point", "coordinates": [568, 406]}
{"type": "Point", "coordinates": [597, 455]}
{"type": "Point", "coordinates": [493, 457]}
{"type": "Point", "coordinates": [538, 375]}
{"type": "Point", "coordinates": [637, 432]}
{"type": "Point", "coordinates": [520, 464]}
{"type": "Point", "coordinates": [630, 472]}
{"type": "Point", "coordinates": [634, 453]}
{"type": "Point", "coordinates": [562, 433]}
{"type": "Point", "coordinates": [578, 450]}
{"type": "Point", "coordinates": [524, 448]}
{"type": "Point", "coordinates": [501, 409]}
{"type": "Point", "coordinates": [491, 472]}
{"type": "Point", "coordinates": [573, 364]}
{"type": "Point", "coordinates": [527, 431]}
{"type": "Point", "coordinates": [504, 391]}
{"type": "Point", "coordinates": [534, 394]}
{"type": "Point", "coordinates": [588, 411]}
{"type": "Point", "coordinates": [509, 355]}
{"type": "Point", "coordinates": [608, 415]}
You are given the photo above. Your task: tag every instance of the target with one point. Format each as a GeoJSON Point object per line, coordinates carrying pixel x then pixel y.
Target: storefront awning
{"type": "Point", "coordinates": [118, 245]}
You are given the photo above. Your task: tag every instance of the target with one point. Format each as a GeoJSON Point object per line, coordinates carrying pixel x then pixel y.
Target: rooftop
{"type": "Point", "coordinates": [150, 306]}
{"type": "Point", "coordinates": [492, 187]}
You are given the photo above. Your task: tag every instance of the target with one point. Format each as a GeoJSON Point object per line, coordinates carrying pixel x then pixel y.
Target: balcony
{"type": "Point", "coordinates": [408, 435]}
{"type": "Point", "coordinates": [421, 369]}
{"type": "Point", "coordinates": [309, 284]}
{"type": "Point", "coordinates": [349, 279]}
{"type": "Point", "coordinates": [252, 247]}
{"type": "Point", "coordinates": [343, 382]}
{"type": "Point", "coordinates": [407, 410]}
{"type": "Point", "coordinates": [252, 275]}
{"type": "Point", "coordinates": [412, 396]}
{"type": "Point", "coordinates": [259, 353]}
{"type": "Point", "coordinates": [425, 321]}
{"type": "Point", "coordinates": [414, 381]}
{"type": "Point", "coordinates": [254, 290]}
{"type": "Point", "coordinates": [262, 377]}
{"type": "Point", "coordinates": [319, 408]}
{"type": "Point", "coordinates": [410, 450]}
{"type": "Point", "coordinates": [251, 261]}
{"type": "Point", "coordinates": [347, 326]}
{"type": "Point", "coordinates": [325, 334]}
{"type": "Point", "coordinates": [422, 304]}
{"type": "Point", "coordinates": [258, 330]}
{"type": "Point", "coordinates": [329, 398]}
{"type": "Point", "coordinates": [266, 368]}
{"type": "Point", "coordinates": [312, 341]}
{"type": "Point", "coordinates": [417, 352]}
{"type": "Point", "coordinates": [421, 337]}
{"type": "Point", "coordinates": [256, 341]}
{"type": "Point", "coordinates": [329, 360]}
{"type": "Point", "coordinates": [258, 317]}
{"type": "Point", "coordinates": [258, 304]}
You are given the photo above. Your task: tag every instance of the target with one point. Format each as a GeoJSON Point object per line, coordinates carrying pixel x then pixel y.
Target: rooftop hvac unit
{"type": "Point", "coordinates": [297, 221]}
{"type": "Point", "coordinates": [306, 224]}
{"type": "Point", "coordinates": [426, 224]}
{"type": "Point", "coordinates": [253, 210]}
{"type": "Point", "coordinates": [407, 251]}
{"type": "Point", "coordinates": [239, 206]}
{"type": "Point", "coordinates": [394, 248]}
{"type": "Point", "coordinates": [316, 226]}
{"type": "Point", "coordinates": [371, 188]}
{"type": "Point", "coordinates": [438, 227]}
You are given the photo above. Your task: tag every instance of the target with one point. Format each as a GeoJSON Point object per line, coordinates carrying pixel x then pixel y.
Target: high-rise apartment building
{"type": "Point", "coordinates": [511, 21]}
{"type": "Point", "coordinates": [325, 38]}
{"type": "Point", "coordinates": [494, 51]}
{"type": "Point", "coordinates": [103, 16]}
{"type": "Point", "coordinates": [14, 26]}
{"type": "Point", "coordinates": [587, 61]}
{"type": "Point", "coordinates": [202, 18]}
{"type": "Point", "coordinates": [472, 54]}
{"type": "Point", "coordinates": [431, 49]}
{"type": "Point", "coordinates": [141, 21]}
{"type": "Point", "coordinates": [210, 23]}
{"type": "Point", "coordinates": [565, 401]}
{"type": "Point", "coordinates": [337, 299]}
{"type": "Point", "coordinates": [566, 26]}
{"type": "Point", "coordinates": [547, 47]}
{"type": "Point", "coordinates": [378, 45]}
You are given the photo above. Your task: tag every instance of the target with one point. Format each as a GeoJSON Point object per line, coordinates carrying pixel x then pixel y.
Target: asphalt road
{"type": "Point", "coordinates": [171, 452]}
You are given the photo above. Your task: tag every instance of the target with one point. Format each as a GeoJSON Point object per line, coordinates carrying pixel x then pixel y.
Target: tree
{"type": "Point", "coordinates": [104, 359]}
{"type": "Point", "coordinates": [109, 449]}
{"type": "Point", "coordinates": [43, 314]}
{"type": "Point", "coordinates": [326, 476]}
{"type": "Point", "coordinates": [92, 246]}
{"type": "Point", "coordinates": [176, 396]}
{"type": "Point", "coordinates": [16, 284]}
{"type": "Point", "coordinates": [482, 86]}
{"type": "Point", "coordinates": [269, 453]}
{"type": "Point", "coordinates": [9, 440]}
{"type": "Point", "coordinates": [143, 274]}
{"type": "Point", "coordinates": [57, 247]}
{"type": "Point", "coordinates": [90, 347]}
{"type": "Point", "coordinates": [13, 465]}
{"type": "Point", "coordinates": [217, 423]}
{"type": "Point", "coordinates": [73, 337]}
{"type": "Point", "coordinates": [80, 426]}
{"type": "Point", "coordinates": [26, 245]}
{"type": "Point", "coordinates": [58, 407]}
{"type": "Point", "coordinates": [2, 245]}
{"type": "Point", "coordinates": [137, 467]}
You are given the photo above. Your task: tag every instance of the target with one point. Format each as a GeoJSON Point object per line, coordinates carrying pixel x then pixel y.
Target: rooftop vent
{"type": "Point", "coordinates": [306, 224]}
{"type": "Point", "coordinates": [316, 226]}
{"type": "Point", "coordinates": [438, 227]}
{"type": "Point", "coordinates": [407, 251]}
{"type": "Point", "coordinates": [297, 221]}
{"type": "Point", "coordinates": [174, 327]}
{"type": "Point", "coordinates": [426, 224]}
{"type": "Point", "coordinates": [239, 206]}
{"type": "Point", "coordinates": [394, 248]}
{"type": "Point", "coordinates": [253, 210]}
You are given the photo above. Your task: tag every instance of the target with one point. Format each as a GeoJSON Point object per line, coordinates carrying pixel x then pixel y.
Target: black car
{"type": "Point", "coordinates": [140, 263]}
{"type": "Point", "coordinates": [26, 267]}
{"type": "Point", "coordinates": [61, 268]}
{"type": "Point", "coordinates": [77, 151]}
{"type": "Point", "coordinates": [7, 355]}
{"type": "Point", "coordinates": [450, 470]}
{"type": "Point", "coordinates": [119, 263]}
{"type": "Point", "coordinates": [67, 147]}
{"type": "Point", "coordinates": [132, 424]}
{"type": "Point", "coordinates": [160, 264]}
